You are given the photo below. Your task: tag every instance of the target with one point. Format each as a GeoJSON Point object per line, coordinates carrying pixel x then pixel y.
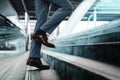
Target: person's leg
{"type": "Point", "coordinates": [65, 9]}
{"type": "Point", "coordinates": [42, 9]}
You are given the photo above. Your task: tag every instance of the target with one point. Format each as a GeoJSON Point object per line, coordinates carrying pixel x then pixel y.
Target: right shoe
{"type": "Point", "coordinates": [37, 63]}
{"type": "Point", "coordinates": [43, 38]}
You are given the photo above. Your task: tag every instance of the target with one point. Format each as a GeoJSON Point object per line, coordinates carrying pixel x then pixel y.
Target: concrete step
{"type": "Point", "coordinates": [76, 63]}
{"type": "Point", "coordinates": [14, 68]}
{"type": "Point", "coordinates": [33, 73]}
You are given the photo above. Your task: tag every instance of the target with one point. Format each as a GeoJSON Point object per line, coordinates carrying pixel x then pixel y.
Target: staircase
{"type": "Point", "coordinates": [88, 55]}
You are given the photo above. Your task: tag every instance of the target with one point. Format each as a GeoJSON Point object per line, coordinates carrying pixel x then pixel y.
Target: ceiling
{"type": "Point", "coordinates": [105, 10]}
{"type": "Point", "coordinates": [29, 5]}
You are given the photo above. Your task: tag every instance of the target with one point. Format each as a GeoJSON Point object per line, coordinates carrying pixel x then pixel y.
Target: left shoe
{"type": "Point", "coordinates": [37, 63]}
{"type": "Point", "coordinates": [43, 38]}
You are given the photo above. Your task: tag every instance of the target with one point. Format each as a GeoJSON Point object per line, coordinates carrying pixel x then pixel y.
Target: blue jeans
{"type": "Point", "coordinates": [42, 9]}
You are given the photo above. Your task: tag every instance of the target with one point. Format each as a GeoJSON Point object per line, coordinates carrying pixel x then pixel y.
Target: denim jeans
{"type": "Point", "coordinates": [42, 9]}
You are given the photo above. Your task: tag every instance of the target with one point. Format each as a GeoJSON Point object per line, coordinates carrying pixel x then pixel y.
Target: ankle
{"type": "Point", "coordinates": [40, 32]}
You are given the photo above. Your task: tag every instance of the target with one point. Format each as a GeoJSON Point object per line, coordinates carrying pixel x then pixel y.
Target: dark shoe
{"type": "Point", "coordinates": [43, 38]}
{"type": "Point", "coordinates": [37, 63]}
